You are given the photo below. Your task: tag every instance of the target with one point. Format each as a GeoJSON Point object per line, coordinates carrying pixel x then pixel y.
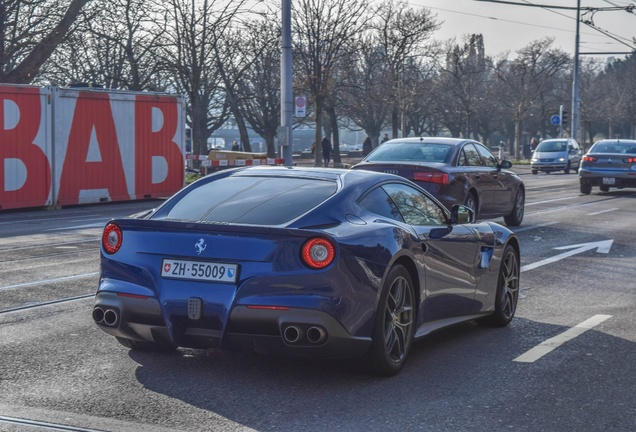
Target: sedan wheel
{"type": "Point", "coordinates": [471, 202]}
{"type": "Point", "coordinates": [586, 188]}
{"type": "Point", "coordinates": [516, 216]}
{"type": "Point", "coordinates": [394, 324]}
{"type": "Point", "coordinates": [567, 168]}
{"type": "Point", "coordinates": [507, 289]}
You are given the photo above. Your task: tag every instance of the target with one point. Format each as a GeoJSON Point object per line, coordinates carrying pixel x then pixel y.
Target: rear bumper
{"type": "Point", "coordinates": [320, 335]}
{"type": "Point", "coordinates": [621, 180]}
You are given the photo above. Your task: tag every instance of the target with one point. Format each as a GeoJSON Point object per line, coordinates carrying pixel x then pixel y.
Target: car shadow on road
{"type": "Point", "coordinates": [460, 378]}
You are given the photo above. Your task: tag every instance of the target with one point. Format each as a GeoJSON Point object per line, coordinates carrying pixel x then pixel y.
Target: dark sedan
{"type": "Point", "coordinates": [318, 263]}
{"type": "Point", "coordinates": [609, 163]}
{"type": "Point", "coordinates": [455, 171]}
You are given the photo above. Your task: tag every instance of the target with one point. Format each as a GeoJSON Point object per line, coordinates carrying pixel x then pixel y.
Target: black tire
{"type": "Point", "coordinates": [471, 202]}
{"type": "Point", "coordinates": [586, 188]}
{"type": "Point", "coordinates": [604, 188]}
{"type": "Point", "coordinates": [507, 289]}
{"type": "Point", "coordinates": [394, 325]}
{"type": "Point", "coordinates": [136, 345]}
{"type": "Point", "coordinates": [516, 215]}
{"type": "Point", "coordinates": [535, 172]}
{"type": "Point", "coordinates": [567, 168]}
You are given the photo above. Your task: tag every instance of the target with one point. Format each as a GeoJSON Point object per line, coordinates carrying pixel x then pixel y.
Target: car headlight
{"type": "Point", "coordinates": [561, 159]}
{"type": "Point", "coordinates": [534, 160]}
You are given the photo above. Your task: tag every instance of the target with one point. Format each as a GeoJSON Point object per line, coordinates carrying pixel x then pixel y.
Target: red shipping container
{"type": "Point", "coordinates": [72, 146]}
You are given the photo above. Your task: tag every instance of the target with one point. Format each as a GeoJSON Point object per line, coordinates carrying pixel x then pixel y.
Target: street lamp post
{"type": "Point", "coordinates": [285, 131]}
{"type": "Point", "coordinates": [575, 81]}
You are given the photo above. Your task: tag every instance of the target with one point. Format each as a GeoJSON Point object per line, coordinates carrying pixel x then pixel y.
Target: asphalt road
{"type": "Point", "coordinates": [566, 363]}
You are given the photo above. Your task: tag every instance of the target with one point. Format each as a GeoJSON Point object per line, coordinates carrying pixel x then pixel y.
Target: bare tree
{"type": "Point", "coordinates": [365, 98]}
{"type": "Point", "coordinates": [403, 33]}
{"type": "Point", "coordinates": [526, 77]}
{"type": "Point", "coordinates": [324, 30]}
{"type": "Point", "coordinates": [114, 46]}
{"type": "Point", "coordinates": [258, 90]}
{"type": "Point", "coordinates": [193, 30]}
{"type": "Point", "coordinates": [29, 33]}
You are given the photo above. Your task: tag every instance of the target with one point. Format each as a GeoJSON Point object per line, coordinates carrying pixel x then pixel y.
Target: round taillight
{"type": "Point", "coordinates": [111, 238]}
{"type": "Point", "coordinates": [318, 252]}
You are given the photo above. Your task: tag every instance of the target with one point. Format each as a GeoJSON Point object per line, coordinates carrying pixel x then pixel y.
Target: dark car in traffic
{"type": "Point", "coordinates": [610, 163]}
{"type": "Point", "coordinates": [455, 171]}
{"type": "Point", "coordinates": [313, 262]}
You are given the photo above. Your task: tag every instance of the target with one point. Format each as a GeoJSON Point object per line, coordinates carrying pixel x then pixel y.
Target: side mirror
{"type": "Point", "coordinates": [462, 215]}
{"type": "Point", "coordinates": [505, 164]}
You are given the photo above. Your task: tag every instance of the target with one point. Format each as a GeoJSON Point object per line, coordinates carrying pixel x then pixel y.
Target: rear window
{"type": "Point", "coordinates": [250, 200]}
{"type": "Point", "coordinates": [614, 147]}
{"type": "Point", "coordinates": [412, 152]}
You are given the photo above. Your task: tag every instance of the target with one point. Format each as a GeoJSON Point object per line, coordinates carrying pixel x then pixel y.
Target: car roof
{"type": "Point", "coordinates": [430, 140]}
{"type": "Point", "coordinates": [334, 174]}
{"type": "Point", "coordinates": [616, 141]}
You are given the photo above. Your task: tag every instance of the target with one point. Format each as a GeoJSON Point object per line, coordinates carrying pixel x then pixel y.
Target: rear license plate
{"type": "Point", "coordinates": [197, 270]}
{"type": "Point", "coordinates": [609, 180]}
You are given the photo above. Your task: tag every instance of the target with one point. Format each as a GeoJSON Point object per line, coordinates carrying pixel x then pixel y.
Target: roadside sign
{"type": "Point", "coordinates": [556, 120]}
{"type": "Point", "coordinates": [301, 104]}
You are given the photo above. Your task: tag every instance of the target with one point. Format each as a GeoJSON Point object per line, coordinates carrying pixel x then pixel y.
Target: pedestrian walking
{"type": "Point", "coordinates": [326, 150]}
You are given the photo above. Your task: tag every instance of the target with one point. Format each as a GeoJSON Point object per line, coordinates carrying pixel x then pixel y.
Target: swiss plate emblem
{"type": "Point", "coordinates": [166, 267]}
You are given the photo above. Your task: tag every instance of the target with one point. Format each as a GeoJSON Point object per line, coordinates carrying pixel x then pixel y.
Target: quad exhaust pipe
{"type": "Point", "coordinates": [106, 316]}
{"type": "Point", "coordinates": [294, 334]}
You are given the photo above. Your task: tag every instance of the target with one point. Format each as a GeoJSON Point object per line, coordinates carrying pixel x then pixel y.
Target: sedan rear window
{"type": "Point", "coordinates": [410, 151]}
{"type": "Point", "coordinates": [614, 147]}
{"type": "Point", "coordinates": [250, 200]}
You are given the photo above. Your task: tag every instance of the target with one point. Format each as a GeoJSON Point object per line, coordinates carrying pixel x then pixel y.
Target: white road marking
{"type": "Point", "coordinates": [600, 246]}
{"type": "Point", "coordinates": [602, 211]}
{"type": "Point", "coordinates": [551, 344]}
{"type": "Point", "coordinates": [549, 201]}
{"type": "Point", "coordinates": [45, 281]}
{"type": "Point", "coordinates": [93, 225]}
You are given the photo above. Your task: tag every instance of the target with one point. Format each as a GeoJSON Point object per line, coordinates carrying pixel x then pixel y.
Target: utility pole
{"type": "Point", "coordinates": [575, 80]}
{"type": "Point", "coordinates": [285, 131]}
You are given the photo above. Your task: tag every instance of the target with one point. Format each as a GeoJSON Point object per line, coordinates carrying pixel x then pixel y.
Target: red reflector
{"type": "Point", "coordinates": [589, 158]}
{"type": "Point", "coordinates": [267, 307]}
{"type": "Point", "coordinates": [135, 296]}
{"type": "Point", "coordinates": [631, 160]}
{"type": "Point", "coordinates": [431, 177]}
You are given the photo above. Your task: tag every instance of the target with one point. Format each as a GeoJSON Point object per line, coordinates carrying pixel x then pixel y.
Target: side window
{"type": "Point", "coordinates": [415, 207]}
{"type": "Point", "coordinates": [378, 202]}
{"type": "Point", "coordinates": [489, 159]}
{"type": "Point", "coordinates": [470, 157]}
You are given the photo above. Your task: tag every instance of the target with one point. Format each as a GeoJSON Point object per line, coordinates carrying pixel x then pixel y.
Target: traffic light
{"type": "Point", "coordinates": [564, 118]}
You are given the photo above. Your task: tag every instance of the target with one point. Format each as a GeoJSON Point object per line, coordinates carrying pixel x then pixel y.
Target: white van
{"type": "Point", "coordinates": [563, 154]}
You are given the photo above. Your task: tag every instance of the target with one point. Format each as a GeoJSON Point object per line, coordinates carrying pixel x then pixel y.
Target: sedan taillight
{"type": "Point", "coordinates": [431, 177]}
{"type": "Point", "coordinates": [590, 158]}
{"type": "Point", "coordinates": [630, 160]}
{"type": "Point", "coordinates": [318, 252]}
{"type": "Point", "coordinates": [112, 238]}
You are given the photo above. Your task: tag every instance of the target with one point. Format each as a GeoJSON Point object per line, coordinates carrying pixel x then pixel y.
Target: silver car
{"type": "Point", "coordinates": [609, 164]}
{"type": "Point", "coordinates": [556, 155]}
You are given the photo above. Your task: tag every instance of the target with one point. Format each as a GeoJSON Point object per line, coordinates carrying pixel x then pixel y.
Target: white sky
{"type": "Point", "coordinates": [510, 28]}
